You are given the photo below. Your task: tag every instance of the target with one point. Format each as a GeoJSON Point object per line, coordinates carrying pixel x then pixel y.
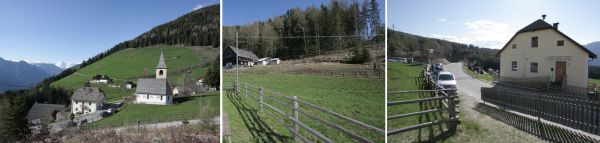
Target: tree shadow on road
{"type": "Point", "coordinates": [544, 131]}
{"type": "Point", "coordinates": [260, 131]}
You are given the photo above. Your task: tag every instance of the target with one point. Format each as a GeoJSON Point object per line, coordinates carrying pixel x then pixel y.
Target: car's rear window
{"type": "Point", "coordinates": [445, 77]}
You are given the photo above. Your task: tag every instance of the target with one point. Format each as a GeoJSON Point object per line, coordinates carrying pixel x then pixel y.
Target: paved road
{"type": "Point", "coordinates": [466, 83]}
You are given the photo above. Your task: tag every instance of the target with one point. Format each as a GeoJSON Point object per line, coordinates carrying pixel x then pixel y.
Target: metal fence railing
{"type": "Point", "coordinates": [565, 109]}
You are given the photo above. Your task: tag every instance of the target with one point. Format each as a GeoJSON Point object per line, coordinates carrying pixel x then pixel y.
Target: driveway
{"type": "Point", "coordinates": [468, 85]}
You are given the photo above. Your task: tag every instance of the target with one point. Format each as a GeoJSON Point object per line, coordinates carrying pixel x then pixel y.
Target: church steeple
{"type": "Point", "coordinates": [161, 68]}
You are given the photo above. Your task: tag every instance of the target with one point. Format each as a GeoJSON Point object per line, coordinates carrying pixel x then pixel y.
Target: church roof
{"type": "Point", "coordinates": [153, 86]}
{"type": "Point", "coordinates": [161, 62]}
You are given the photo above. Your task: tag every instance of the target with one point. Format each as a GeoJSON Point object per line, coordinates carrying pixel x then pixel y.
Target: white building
{"type": "Point", "coordinates": [87, 100]}
{"type": "Point", "coordinates": [274, 61]}
{"type": "Point", "coordinates": [101, 79]}
{"type": "Point", "coordinates": [155, 90]}
{"type": "Point", "coordinates": [541, 50]}
{"type": "Point", "coordinates": [262, 61]}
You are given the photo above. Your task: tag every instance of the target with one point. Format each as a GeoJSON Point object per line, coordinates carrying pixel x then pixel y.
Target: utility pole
{"type": "Point", "coordinates": [237, 63]}
{"type": "Point", "coordinates": [304, 37]}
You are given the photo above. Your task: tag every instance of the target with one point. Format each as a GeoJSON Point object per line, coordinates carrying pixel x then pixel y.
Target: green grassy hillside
{"type": "Point", "coordinates": [134, 63]}
{"type": "Point", "coordinates": [358, 98]}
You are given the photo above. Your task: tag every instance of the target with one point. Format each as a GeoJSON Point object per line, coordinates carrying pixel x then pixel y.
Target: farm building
{"type": "Point", "coordinates": [87, 100]}
{"type": "Point", "coordinates": [155, 90]}
{"type": "Point", "coordinates": [101, 79]}
{"type": "Point", "coordinates": [274, 61]}
{"type": "Point", "coordinates": [541, 50]}
{"type": "Point", "coordinates": [39, 112]}
{"type": "Point", "coordinates": [245, 58]}
{"type": "Point", "coordinates": [262, 61]}
{"type": "Point", "coordinates": [129, 85]}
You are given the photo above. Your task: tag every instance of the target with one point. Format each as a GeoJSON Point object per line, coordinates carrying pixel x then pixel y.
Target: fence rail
{"type": "Point", "coordinates": [293, 104]}
{"type": "Point", "coordinates": [552, 106]}
{"type": "Point", "coordinates": [446, 97]}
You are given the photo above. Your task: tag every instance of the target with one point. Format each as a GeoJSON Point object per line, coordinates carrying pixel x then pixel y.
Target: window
{"type": "Point", "coordinates": [534, 42]}
{"type": "Point", "coordinates": [160, 72]}
{"type": "Point", "coordinates": [76, 102]}
{"type": "Point", "coordinates": [90, 103]}
{"type": "Point", "coordinates": [534, 68]}
{"type": "Point", "coordinates": [560, 43]}
{"type": "Point", "coordinates": [147, 96]}
{"type": "Point", "coordinates": [514, 46]}
{"type": "Point", "coordinates": [76, 109]}
{"type": "Point", "coordinates": [514, 65]}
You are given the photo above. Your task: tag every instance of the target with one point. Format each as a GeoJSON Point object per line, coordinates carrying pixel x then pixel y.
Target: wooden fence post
{"type": "Point", "coordinates": [261, 98]}
{"type": "Point", "coordinates": [295, 114]}
{"type": "Point", "coordinates": [452, 112]}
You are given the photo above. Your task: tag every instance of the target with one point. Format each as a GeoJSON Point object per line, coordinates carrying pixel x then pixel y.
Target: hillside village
{"type": "Point", "coordinates": [164, 81]}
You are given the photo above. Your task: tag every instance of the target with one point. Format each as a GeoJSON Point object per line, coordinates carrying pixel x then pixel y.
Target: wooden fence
{"type": "Point", "coordinates": [563, 109]}
{"type": "Point", "coordinates": [446, 97]}
{"type": "Point", "coordinates": [294, 109]}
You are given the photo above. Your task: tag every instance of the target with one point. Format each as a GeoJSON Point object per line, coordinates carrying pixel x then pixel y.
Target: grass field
{"type": "Point", "coordinates": [130, 64]}
{"type": "Point", "coordinates": [187, 108]}
{"type": "Point", "coordinates": [358, 98]}
{"type": "Point", "coordinates": [474, 127]}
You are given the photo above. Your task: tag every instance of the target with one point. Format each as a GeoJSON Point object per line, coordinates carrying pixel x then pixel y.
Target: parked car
{"type": "Point", "coordinates": [438, 66]}
{"type": "Point", "coordinates": [403, 60]}
{"type": "Point", "coordinates": [104, 114]}
{"type": "Point", "coordinates": [446, 80]}
{"type": "Point", "coordinates": [434, 74]}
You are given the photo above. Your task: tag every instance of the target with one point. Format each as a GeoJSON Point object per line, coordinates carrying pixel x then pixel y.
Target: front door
{"type": "Point", "coordinates": [560, 72]}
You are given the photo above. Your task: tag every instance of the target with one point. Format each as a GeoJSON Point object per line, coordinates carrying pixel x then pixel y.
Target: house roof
{"type": "Point", "coordinates": [40, 111]}
{"type": "Point", "coordinates": [88, 94]}
{"type": "Point", "coordinates": [153, 86]}
{"type": "Point", "coordinates": [161, 62]}
{"type": "Point", "coordinates": [243, 53]}
{"type": "Point", "coordinates": [541, 25]}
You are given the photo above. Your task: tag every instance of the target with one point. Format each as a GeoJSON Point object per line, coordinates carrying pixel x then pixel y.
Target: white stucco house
{"type": "Point", "coordinates": [274, 61]}
{"type": "Point", "coordinates": [87, 100]}
{"type": "Point", "coordinates": [98, 79]}
{"type": "Point", "coordinates": [541, 50]}
{"type": "Point", "coordinates": [155, 90]}
{"type": "Point", "coordinates": [262, 61]}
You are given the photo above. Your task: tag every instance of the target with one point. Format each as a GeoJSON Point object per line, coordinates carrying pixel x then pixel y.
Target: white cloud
{"type": "Point", "coordinates": [211, 2]}
{"type": "Point", "coordinates": [483, 33]}
{"type": "Point", "coordinates": [442, 20]}
{"type": "Point", "coordinates": [199, 6]}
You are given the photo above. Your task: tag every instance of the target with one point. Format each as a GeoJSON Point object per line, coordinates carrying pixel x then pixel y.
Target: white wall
{"type": "Point", "coordinates": [77, 106]}
{"type": "Point", "coordinates": [576, 58]}
{"type": "Point", "coordinates": [154, 99]}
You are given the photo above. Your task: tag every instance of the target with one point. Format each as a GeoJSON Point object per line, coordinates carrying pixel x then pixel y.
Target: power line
{"type": "Point", "coordinates": [299, 37]}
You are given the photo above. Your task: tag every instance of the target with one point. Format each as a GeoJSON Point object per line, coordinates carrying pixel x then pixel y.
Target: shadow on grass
{"type": "Point", "coordinates": [260, 131]}
{"type": "Point", "coordinates": [180, 100]}
{"type": "Point", "coordinates": [544, 131]}
{"type": "Point", "coordinates": [434, 133]}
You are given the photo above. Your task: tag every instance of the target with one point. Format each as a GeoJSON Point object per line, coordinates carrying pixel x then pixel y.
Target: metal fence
{"type": "Point", "coordinates": [557, 107]}
{"type": "Point", "coordinates": [289, 108]}
{"type": "Point", "coordinates": [435, 93]}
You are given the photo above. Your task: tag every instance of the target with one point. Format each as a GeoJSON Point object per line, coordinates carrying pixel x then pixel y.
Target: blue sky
{"type": "Point", "coordinates": [240, 12]}
{"type": "Point", "coordinates": [492, 23]}
{"type": "Point", "coordinates": [73, 30]}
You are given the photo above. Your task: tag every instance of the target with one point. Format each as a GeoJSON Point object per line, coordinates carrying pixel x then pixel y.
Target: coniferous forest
{"type": "Point", "coordinates": [316, 30]}
{"type": "Point", "coordinates": [402, 44]}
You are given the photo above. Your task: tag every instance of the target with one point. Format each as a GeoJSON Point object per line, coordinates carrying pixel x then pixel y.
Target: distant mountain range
{"type": "Point", "coordinates": [18, 75]}
{"type": "Point", "coordinates": [594, 47]}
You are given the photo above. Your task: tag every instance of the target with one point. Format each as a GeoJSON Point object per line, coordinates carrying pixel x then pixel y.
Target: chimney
{"type": "Point", "coordinates": [544, 17]}
{"type": "Point", "coordinates": [555, 25]}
